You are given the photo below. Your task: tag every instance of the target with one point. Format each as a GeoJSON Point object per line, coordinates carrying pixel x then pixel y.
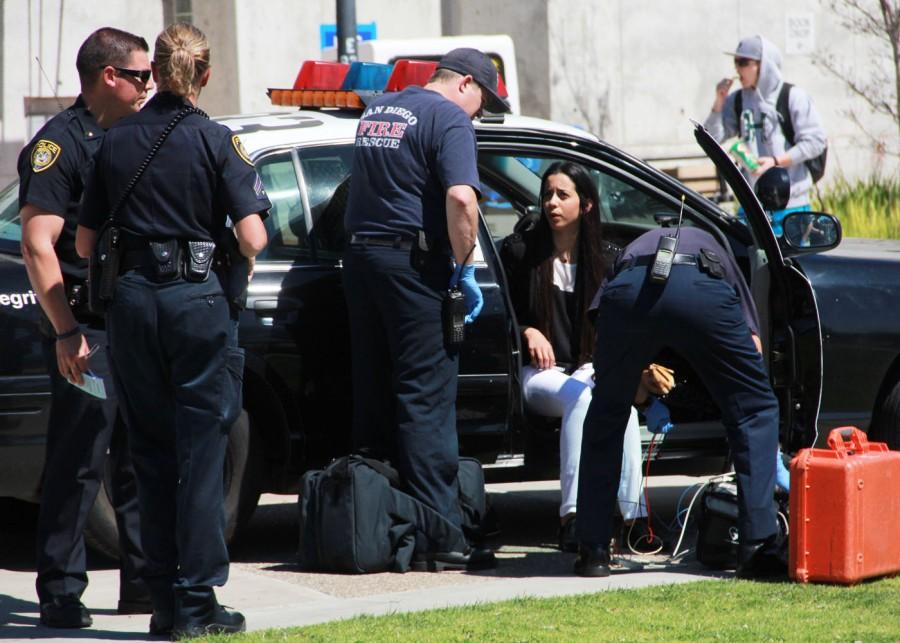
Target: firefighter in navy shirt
{"type": "Point", "coordinates": [706, 314]}
{"type": "Point", "coordinates": [114, 71]}
{"type": "Point", "coordinates": [172, 338]}
{"type": "Point", "coordinates": [412, 215]}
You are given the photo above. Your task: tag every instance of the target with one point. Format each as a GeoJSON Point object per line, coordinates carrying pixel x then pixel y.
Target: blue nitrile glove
{"type": "Point", "coordinates": [464, 277]}
{"type": "Point", "coordinates": [658, 419]}
{"type": "Point", "coordinates": [782, 475]}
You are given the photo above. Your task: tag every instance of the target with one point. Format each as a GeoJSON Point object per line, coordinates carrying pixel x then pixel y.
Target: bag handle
{"type": "Point", "coordinates": [146, 162]}
{"type": "Point", "coordinates": [848, 440]}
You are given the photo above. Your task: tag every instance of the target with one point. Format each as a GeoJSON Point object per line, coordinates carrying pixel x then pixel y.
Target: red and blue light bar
{"type": "Point", "coordinates": [351, 86]}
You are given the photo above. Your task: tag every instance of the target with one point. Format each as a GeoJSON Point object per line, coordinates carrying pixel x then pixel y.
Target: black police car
{"type": "Point", "coordinates": [830, 340]}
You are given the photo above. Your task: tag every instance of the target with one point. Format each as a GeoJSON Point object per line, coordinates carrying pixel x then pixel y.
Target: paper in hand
{"type": "Point", "coordinates": [93, 385]}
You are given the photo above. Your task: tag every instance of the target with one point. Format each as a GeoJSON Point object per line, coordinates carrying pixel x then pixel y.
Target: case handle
{"type": "Point", "coordinates": [847, 440]}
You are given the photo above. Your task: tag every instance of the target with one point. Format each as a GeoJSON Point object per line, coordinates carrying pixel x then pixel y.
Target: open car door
{"type": "Point", "coordinates": [789, 316]}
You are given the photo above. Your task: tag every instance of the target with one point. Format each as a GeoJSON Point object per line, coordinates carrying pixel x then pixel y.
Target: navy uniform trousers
{"type": "Point", "coordinates": [699, 317]}
{"type": "Point", "coordinates": [404, 378]}
{"type": "Point", "coordinates": [80, 432]}
{"type": "Point", "coordinates": [170, 344]}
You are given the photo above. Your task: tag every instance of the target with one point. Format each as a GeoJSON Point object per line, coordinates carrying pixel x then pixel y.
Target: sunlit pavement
{"type": "Point", "coordinates": [268, 587]}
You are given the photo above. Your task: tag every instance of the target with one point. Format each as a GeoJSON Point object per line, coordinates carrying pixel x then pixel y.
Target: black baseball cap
{"type": "Point", "coordinates": [478, 65]}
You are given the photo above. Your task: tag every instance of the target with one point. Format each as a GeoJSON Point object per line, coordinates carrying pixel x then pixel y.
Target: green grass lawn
{"type": "Point", "coordinates": [705, 610]}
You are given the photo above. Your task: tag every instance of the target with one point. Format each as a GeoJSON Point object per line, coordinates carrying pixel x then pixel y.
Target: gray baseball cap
{"type": "Point", "coordinates": [748, 48]}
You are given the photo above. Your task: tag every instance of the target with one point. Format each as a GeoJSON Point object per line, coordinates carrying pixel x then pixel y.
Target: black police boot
{"type": "Point", "coordinates": [568, 541]}
{"type": "Point", "coordinates": [134, 598]}
{"type": "Point", "coordinates": [198, 613]}
{"type": "Point", "coordinates": [762, 559]}
{"type": "Point", "coordinates": [163, 601]}
{"type": "Point", "coordinates": [161, 623]}
{"type": "Point", "coordinates": [593, 561]}
{"type": "Point", "coordinates": [470, 560]}
{"type": "Point", "coordinates": [65, 612]}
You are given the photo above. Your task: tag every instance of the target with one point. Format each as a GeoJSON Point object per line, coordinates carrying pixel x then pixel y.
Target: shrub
{"type": "Point", "coordinates": [868, 207]}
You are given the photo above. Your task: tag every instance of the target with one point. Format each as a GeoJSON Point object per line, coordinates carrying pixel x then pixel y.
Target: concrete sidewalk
{"type": "Point", "coordinates": [275, 593]}
{"type": "Point", "coordinates": [268, 602]}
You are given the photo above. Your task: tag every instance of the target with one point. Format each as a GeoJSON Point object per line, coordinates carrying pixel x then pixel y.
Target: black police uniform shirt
{"type": "Point", "coordinates": [690, 241]}
{"type": "Point", "coordinates": [200, 174]}
{"type": "Point", "coordinates": [52, 171]}
{"type": "Point", "coordinates": [410, 148]}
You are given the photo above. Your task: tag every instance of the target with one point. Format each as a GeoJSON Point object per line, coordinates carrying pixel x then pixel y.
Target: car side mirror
{"type": "Point", "coordinates": [810, 232]}
{"type": "Point", "coordinates": [773, 189]}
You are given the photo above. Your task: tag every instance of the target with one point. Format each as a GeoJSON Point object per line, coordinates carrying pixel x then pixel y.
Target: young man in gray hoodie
{"type": "Point", "coordinates": [758, 64]}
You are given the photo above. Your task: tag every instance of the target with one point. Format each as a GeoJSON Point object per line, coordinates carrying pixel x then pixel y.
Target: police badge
{"type": "Point", "coordinates": [239, 148]}
{"type": "Point", "coordinates": [44, 155]}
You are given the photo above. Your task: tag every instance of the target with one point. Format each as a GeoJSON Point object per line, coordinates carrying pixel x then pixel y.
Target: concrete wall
{"type": "Point", "coordinates": [635, 71]}
{"type": "Point", "coordinates": [526, 22]}
{"type": "Point", "coordinates": [274, 37]}
{"type": "Point", "coordinates": [632, 71]}
{"type": "Point", "coordinates": [255, 44]}
{"type": "Point", "coordinates": [51, 30]}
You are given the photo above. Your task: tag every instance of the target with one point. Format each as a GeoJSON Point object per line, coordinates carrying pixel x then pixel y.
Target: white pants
{"type": "Point", "coordinates": [553, 393]}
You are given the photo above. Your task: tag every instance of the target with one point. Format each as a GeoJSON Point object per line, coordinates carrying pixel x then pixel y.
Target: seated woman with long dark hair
{"type": "Point", "coordinates": [554, 270]}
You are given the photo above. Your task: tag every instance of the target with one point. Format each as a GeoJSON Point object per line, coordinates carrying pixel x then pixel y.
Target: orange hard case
{"type": "Point", "coordinates": [845, 510]}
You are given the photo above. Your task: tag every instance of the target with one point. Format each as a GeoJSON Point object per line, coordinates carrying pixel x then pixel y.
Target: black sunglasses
{"type": "Point", "coordinates": [743, 62]}
{"type": "Point", "coordinates": [142, 75]}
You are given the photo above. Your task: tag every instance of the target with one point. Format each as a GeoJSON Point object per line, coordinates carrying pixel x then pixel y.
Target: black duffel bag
{"type": "Point", "coordinates": [353, 520]}
{"type": "Point", "coordinates": [718, 535]}
{"type": "Point", "coordinates": [479, 521]}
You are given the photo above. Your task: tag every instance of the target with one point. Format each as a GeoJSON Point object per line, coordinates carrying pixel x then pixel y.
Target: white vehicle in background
{"type": "Point", "coordinates": [499, 47]}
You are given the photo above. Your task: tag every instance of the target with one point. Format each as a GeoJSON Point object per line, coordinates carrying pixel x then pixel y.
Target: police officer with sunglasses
{"type": "Point", "coordinates": [114, 71]}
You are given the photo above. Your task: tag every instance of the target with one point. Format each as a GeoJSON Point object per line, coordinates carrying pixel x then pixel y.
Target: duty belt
{"type": "Point", "coordinates": [386, 241]}
{"type": "Point", "coordinates": [680, 259]}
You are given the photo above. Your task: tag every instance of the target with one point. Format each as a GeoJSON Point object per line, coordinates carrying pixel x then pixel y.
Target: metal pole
{"type": "Point", "coordinates": [346, 31]}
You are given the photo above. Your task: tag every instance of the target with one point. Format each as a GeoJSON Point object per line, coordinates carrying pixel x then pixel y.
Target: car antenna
{"type": "Point", "coordinates": [47, 78]}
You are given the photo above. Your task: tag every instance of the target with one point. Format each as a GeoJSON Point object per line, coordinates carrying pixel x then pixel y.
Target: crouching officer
{"type": "Point", "coordinates": [412, 210]}
{"type": "Point", "coordinates": [703, 311]}
{"type": "Point", "coordinates": [172, 338]}
{"type": "Point", "coordinates": [114, 71]}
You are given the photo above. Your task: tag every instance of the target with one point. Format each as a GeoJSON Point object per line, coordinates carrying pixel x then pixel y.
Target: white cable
{"type": "Point", "coordinates": [687, 517]}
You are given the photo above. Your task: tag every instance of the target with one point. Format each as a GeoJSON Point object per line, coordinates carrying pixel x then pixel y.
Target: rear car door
{"type": "Point", "coordinates": [24, 384]}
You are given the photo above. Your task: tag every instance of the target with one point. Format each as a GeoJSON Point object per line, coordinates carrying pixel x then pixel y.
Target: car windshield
{"type": "Point", "coordinates": [10, 226]}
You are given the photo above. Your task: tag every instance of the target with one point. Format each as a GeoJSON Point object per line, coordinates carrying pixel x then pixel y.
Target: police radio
{"type": "Point", "coordinates": [665, 253]}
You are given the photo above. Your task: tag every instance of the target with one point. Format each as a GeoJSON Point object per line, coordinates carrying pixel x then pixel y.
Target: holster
{"type": "Point", "coordinates": [103, 269]}
{"type": "Point", "coordinates": [233, 269]}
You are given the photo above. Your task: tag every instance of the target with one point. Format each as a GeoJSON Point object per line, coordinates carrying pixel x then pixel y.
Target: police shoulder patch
{"type": "Point", "coordinates": [44, 155]}
{"type": "Point", "coordinates": [239, 148]}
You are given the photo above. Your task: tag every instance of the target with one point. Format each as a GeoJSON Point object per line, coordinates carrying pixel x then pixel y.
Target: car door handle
{"type": "Point", "coordinates": [268, 307]}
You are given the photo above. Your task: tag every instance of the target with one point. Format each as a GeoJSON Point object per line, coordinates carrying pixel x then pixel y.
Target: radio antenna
{"type": "Point", "coordinates": [50, 84]}
{"type": "Point", "coordinates": [680, 216]}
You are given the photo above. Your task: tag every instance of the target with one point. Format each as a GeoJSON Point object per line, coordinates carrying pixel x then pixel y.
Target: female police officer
{"type": "Point", "coordinates": [171, 336]}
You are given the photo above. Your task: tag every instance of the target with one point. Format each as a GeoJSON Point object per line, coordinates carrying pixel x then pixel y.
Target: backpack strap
{"type": "Point", "coordinates": [782, 106]}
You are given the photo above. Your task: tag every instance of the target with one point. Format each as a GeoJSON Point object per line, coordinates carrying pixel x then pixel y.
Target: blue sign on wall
{"type": "Point", "coordinates": [328, 33]}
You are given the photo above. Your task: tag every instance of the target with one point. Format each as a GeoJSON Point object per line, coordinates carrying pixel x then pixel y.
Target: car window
{"type": "Point", "coordinates": [10, 225]}
{"type": "Point", "coordinates": [519, 178]}
{"type": "Point", "coordinates": [286, 223]}
{"type": "Point", "coordinates": [326, 173]}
